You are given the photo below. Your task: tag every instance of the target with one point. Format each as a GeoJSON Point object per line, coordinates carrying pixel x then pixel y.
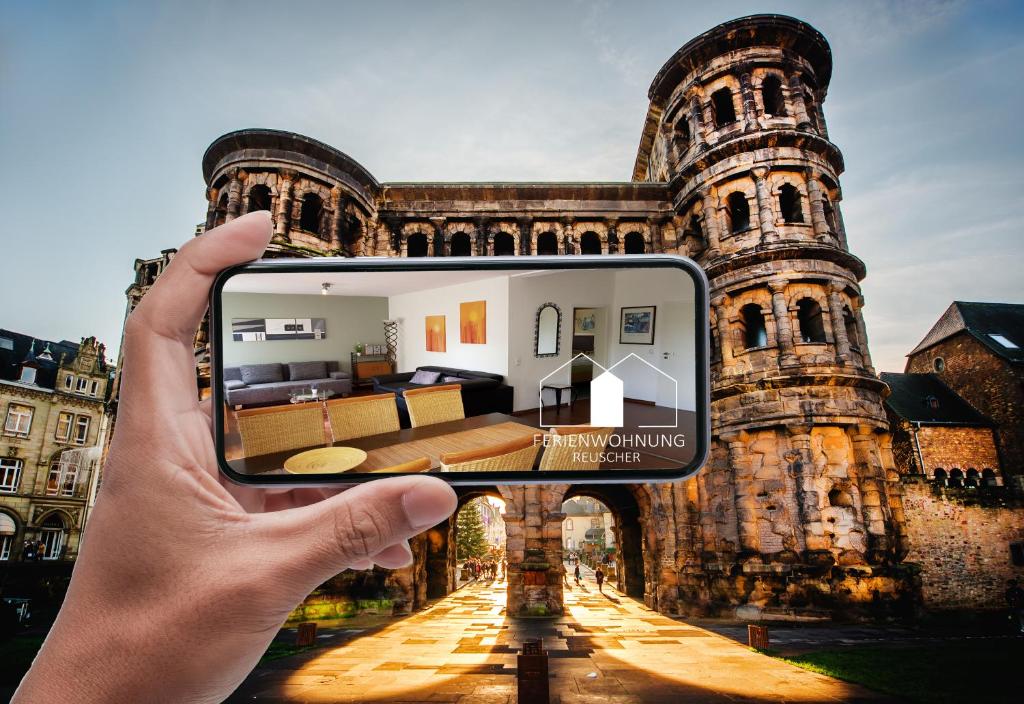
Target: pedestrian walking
{"type": "Point", "coordinates": [599, 576]}
{"type": "Point", "coordinates": [576, 574]}
{"type": "Point", "coordinates": [1015, 602]}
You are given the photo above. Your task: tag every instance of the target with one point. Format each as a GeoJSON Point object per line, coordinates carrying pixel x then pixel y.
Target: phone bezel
{"type": "Point", "coordinates": [363, 264]}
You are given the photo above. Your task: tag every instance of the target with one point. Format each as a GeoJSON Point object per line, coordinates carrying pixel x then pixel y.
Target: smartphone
{"type": "Point", "coordinates": [479, 370]}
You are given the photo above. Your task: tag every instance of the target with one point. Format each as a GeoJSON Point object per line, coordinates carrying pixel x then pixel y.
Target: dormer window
{"type": "Point", "coordinates": [1004, 341]}
{"type": "Point", "coordinates": [931, 402]}
{"type": "Point", "coordinates": [28, 375]}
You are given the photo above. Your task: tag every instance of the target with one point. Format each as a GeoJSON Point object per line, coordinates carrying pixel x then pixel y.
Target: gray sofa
{"type": "Point", "coordinates": [254, 384]}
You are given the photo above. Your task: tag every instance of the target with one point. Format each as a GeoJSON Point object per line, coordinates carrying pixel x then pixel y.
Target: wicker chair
{"type": "Point", "coordinates": [511, 456]}
{"type": "Point", "coordinates": [562, 453]}
{"type": "Point", "coordinates": [279, 428]}
{"type": "Point", "coordinates": [434, 404]}
{"type": "Point", "coordinates": [421, 464]}
{"type": "Point", "coordinates": [359, 416]}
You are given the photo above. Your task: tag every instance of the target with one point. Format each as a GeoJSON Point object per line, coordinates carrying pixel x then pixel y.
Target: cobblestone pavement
{"type": "Point", "coordinates": [607, 649]}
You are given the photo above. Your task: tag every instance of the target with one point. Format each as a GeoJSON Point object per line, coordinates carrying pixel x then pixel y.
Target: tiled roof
{"type": "Point", "coordinates": [16, 348]}
{"type": "Point", "coordinates": [983, 321]}
{"type": "Point", "coordinates": [912, 399]}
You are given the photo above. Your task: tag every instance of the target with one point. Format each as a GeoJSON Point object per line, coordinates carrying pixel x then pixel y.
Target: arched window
{"type": "Point", "coordinates": [789, 204]}
{"type": "Point", "coordinates": [590, 243]}
{"type": "Point", "coordinates": [220, 213]}
{"type": "Point", "coordinates": [461, 245]}
{"type": "Point", "coordinates": [988, 477]}
{"type": "Point", "coordinates": [830, 215]}
{"type": "Point", "coordinates": [940, 476]}
{"type": "Point", "coordinates": [259, 198]}
{"type": "Point", "coordinates": [681, 133]}
{"type": "Point", "coordinates": [939, 364]}
{"type": "Point", "coordinates": [8, 529]}
{"type": "Point", "coordinates": [504, 244]}
{"type": "Point", "coordinates": [52, 535]}
{"type": "Point", "coordinates": [754, 332]}
{"type": "Point", "coordinates": [635, 243]}
{"type": "Point", "coordinates": [972, 478]}
{"type": "Point", "coordinates": [547, 243]}
{"type": "Point", "coordinates": [739, 212]}
{"type": "Point", "coordinates": [309, 216]}
{"type": "Point", "coordinates": [809, 317]}
{"type": "Point", "coordinates": [852, 334]}
{"type": "Point", "coordinates": [771, 96]}
{"type": "Point", "coordinates": [956, 477]}
{"type": "Point", "coordinates": [812, 109]}
{"type": "Point", "coordinates": [416, 245]}
{"type": "Point", "coordinates": [722, 105]}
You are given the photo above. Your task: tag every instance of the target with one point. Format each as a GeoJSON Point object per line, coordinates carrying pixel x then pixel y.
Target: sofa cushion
{"type": "Point", "coordinates": [234, 384]}
{"type": "Point", "coordinates": [262, 373]}
{"type": "Point", "coordinates": [340, 375]}
{"type": "Point", "coordinates": [422, 376]}
{"type": "Point", "coordinates": [300, 371]}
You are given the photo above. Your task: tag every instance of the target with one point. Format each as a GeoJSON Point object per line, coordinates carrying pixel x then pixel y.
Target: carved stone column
{"type": "Point", "coordinates": [749, 105]}
{"type": "Point", "coordinates": [806, 491]}
{"type": "Point", "coordinates": [336, 218]}
{"type": "Point", "coordinates": [613, 231]}
{"type": "Point", "coordinates": [796, 97]}
{"type": "Point", "coordinates": [783, 323]}
{"type": "Point", "coordinates": [765, 211]}
{"type": "Point", "coordinates": [816, 198]}
{"type": "Point", "coordinates": [525, 236]}
{"type": "Point", "coordinates": [725, 341]}
{"type": "Point", "coordinates": [871, 484]}
{"type": "Point", "coordinates": [862, 333]}
{"type": "Point", "coordinates": [234, 196]}
{"type": "Point", "coordinates": [438, 238]}
{"type": "Point", "coordinates": [479, 244]}
{"type": "Point", "coordinates": [835, 312]}
{"type": "Point", "coordinates": [747, 512]}
{"type": "Point", "coordinates": [284, 204]}
{"type": "Point", "coordinates": [211, 207]}
{"type": "Point", "coordinates": [712, 225]}
{"type": "Point", "coordinates": [699, 137]}
{"type": "Point", "coordinates": [709, 119]}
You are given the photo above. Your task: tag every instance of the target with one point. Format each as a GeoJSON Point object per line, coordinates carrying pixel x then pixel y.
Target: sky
{"type": "Point", "coordinates": [108, 108]}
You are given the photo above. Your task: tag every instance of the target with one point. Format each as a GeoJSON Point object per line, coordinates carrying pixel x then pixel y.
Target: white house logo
{"type": "Point", "coordinates": [607, 394]}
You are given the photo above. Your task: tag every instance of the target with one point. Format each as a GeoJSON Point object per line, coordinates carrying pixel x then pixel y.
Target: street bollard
{"type": "Point", "coordinates": [757, 637]}
{"type": "Point", "coordinates": [306, 635]}
{"type": "Point", "coordinates": [532, 673]}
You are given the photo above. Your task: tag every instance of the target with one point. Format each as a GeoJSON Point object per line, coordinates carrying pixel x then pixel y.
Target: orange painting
{"type": "Point", "coordinates": [435, 333]}
{"type": "Point", "coordinates": [473, 322]}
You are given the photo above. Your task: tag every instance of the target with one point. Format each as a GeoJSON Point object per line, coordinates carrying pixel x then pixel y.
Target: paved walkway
{"type": "Point", "coordinates": [606, 650]}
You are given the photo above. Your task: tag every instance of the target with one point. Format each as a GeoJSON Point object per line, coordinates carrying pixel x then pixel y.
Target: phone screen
{"type": "Point", "coordinates": [353, 369]}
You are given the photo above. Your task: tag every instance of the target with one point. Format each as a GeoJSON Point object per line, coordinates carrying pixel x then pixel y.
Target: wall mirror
{"type": "Point", "coordinates": [548, 330]}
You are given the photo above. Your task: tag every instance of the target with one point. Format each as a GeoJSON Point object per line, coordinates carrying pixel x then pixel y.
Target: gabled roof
{"type": "Point", "coordinates": [911, 400]}
{"type": "Point", "coordinates": [982, 321]}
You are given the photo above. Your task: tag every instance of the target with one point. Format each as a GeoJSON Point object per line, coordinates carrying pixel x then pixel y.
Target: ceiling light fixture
{"type": "Point", "coordinates": [325, 288]}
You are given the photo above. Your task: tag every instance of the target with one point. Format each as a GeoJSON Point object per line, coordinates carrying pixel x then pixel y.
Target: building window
{"type": "Point", "coordinates": [10, 473]}
{"type": "Point", "coordinates": [568, 524]}
{"type": "Point", "coordinates": [19, 420]}
{"type": "Point", "coordinates": [1004, 341]}
{"type": "Point", "coordinates": [590, 243]}
{"type": "Point", "coordinates": [8, 529]}
{"type": "Point", "coordinates": [81, 386]}
{"type": "Point", "coordinates": [28, 375]}
{"type": "Point", "coordinates": [722, 105]}
{"type": "Point", "coordinates": [931, 402]}
{"type": "Point", "coordinates": [504, 244]}
{"type": "Point", "coordinates": [312, 210]}
{"type": "Point", "coordinates": [595, 522]}
{"type": "Point", "coordinates": [460, 246]}
{"type": "Point", "coordinates": [956, 477]}
{"type": "Point", "coordinates": [81, 430]}
{"type": "Point", "coordinates": [771, 96]}
{"type": "Point", "coordinates": [69, 382]}
{"type": "Point", "coordinates": [810, 319]}
{"type": "Point", "coordinates": [681, 133]}
{"type": "Point", "coordinates": [988, 477]}
{"type": "Point", "coordinates": [635, 243]}
{"type": "Point", "coordinates": [850, 325]}
{"type": "Point", "coordinates": [739, 212]}
{"type": "Point", "coordinates": [94, 389]}
{"type": "Point", "coordinates": [971, 481]}
{"type": "Point", "coordinates": [63, 474]}
{"type": "Point", "coordinates": [52, 533]}
{"type": "Point", "coordinates": [416, 245]}
{"type": "Point", "coordinates": [939, 365]}
{"type": "Point", "coordinates": [940, 476]}
{"type": "Point", "coordinates": [547, 243]}
{"type": "Point", "coordinates": [789, 204]}
{"type": "Point", "coordinates": [259, 198]}
{"type": "Point", "coordinates": [754, 332]}
{"type": "Point", "coordinates": [63, 432]}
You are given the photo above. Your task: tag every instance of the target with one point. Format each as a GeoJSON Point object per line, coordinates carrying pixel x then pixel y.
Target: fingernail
{"type": "Point", "coordinates": [428, 503]}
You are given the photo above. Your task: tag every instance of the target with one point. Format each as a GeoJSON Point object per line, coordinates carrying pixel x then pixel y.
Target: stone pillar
{"type": "Point", "coordinates": [336, 218]}
{"type": "Point", "coordinates": [765, 211]}
{"type": "Point", "coordinates": [835, 312]}
{"type": "Point", "coordinates": [749, 105]}
{"type": "Point", "coordinates": [802, 463]}
{"type": "Point", "coordinates": [871, 484]}
{"type": "Point", "coordinates": [709, 119]}
{"type": "Point", "coordinates": [783, 323]}
{"type": "Point", "coordinates": [862, 333]}
{"type": "Point", "coordinates": [284, 204]}
{"type": "Point", "coordinates": [234, 196]}
{"type": "Point", "coordinates": [712, 225]}
{"type": "Point", "coordinates": [796, 97]}
{"type": "Point", "coordinates": [816, 196]}
{"type": "Point", "coordinates": [480, 240]}
{"type": "Point", "coordinates": [613, 231]}
{"type": "Point", "coordinates": [747, 513]}
{"type": "Point", "coordinates": [211, 207]}
{"type": "Point", "coordinates": [525, 236]}
{"type": "Point", "coordinates": [725, 341]}
{"type": "Point", "coordinates": [438, 237]}
{"type": "Point", "coordinates": [698, 136]}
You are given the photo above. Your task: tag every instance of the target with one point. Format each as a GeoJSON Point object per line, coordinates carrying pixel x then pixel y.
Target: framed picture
{"type": "Point", "coordinates": [436, 334]}
{"type": "Point", "coordinates": [262, 329]}
{"type": "Point", "coordinates": [584, 321]}
{"type": "Point", "coordinates": [473, 323]}
{"type": "Point", "coordinates": [637, 325]}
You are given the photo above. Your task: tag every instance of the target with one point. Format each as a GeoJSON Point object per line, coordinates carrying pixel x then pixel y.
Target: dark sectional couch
{"type": "Point", "coordinates": [251, 384]}
{"type": "Point", "coordinates": [482, 392]}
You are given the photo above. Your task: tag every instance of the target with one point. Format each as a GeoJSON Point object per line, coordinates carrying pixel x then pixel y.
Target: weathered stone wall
{"type": "Point", "coordinates": [960, 538]}
{"type": "Point", "coordinates": [986, 381]}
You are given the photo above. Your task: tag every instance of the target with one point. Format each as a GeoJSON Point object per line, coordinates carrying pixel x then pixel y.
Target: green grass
{"type": "Point", "coordinates": [16, 656]}
{"type": "Point", "coordinates": [966, 671]}
{"type": "Point", "coordinates": [278, 650]}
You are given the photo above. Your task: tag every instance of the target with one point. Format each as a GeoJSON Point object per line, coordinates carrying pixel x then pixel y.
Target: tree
{"type": "Point", "coordinates": [470, 534]}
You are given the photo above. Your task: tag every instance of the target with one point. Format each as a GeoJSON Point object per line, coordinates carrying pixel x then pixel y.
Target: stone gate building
{"type": "Point", "coordinates": [800, 504]}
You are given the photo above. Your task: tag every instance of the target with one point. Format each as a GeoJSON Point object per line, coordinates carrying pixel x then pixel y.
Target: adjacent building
{"type": "Point", "coordinates": [53, 400]}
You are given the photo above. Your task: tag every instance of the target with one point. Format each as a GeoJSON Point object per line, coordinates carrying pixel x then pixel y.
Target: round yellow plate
{"type": "Point", "coordinates": [325, 460]}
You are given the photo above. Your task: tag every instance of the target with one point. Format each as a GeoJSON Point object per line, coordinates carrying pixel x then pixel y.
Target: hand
{"type": "Point", "coordinates": [183, 579]}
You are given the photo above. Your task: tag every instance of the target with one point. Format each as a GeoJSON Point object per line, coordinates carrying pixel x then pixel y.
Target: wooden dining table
{"type": "Point", "coordinates": [389, 449]}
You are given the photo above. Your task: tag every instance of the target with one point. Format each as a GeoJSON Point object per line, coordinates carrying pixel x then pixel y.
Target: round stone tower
{"type": "Point", "coordinates": [801, 478]}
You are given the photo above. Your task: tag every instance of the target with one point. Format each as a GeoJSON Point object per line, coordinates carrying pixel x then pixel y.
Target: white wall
{"type": "Point", "coordinates": [350, 319]}
{"type": "Point", "coordinates": [411, 309]}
